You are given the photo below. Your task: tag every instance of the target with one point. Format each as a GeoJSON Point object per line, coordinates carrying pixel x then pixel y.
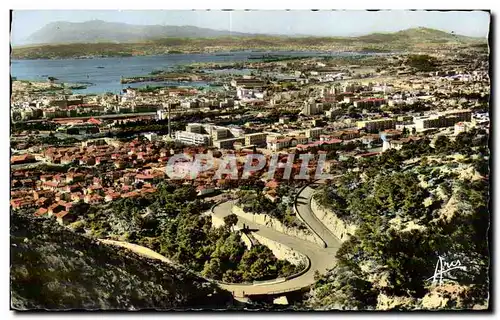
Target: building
{"type": "Point", "coordinates": [284, 120]}
{"type": "Point", "coordinates": [370, 102]}
{"type": "Point", "coordinates": [440, 120]}
{"type": "Point", "coordinates": [161, 114]}
{"type": "Point", "coordinates": [194, 128]}
{"type": "Point", "coordinates": [249, 94]}
{"type": "Point", "coordinates": [248, 83]}
{"type": "Point", "coordinates": [281, 143]}
{"type": "Point", "coordinates": [334, 111]}
{"type": "Point", "coordinates": [237, 132]}
{"type": "Point", "coordinates": [258, 139]}
{"type": "Point", "coordinates": [462, 115]}
{"type": "Point", "coordinates": [192, 138]}
{"type": "Point", "coordinates": [25, 158]}
{"type": "Point", "coordinates": [345, 134]}
{"type": "Point", "coordinates": [462, 127]}
{"type": "Point", "coordinates": [311, 108]}
{"type": "Point", "coordinates": [377, 124]}
{"type": "Point", "coordinates": [313, 133]}
{"type": "Point", "coordinates": [228, 143]}
{"type": "Point", "coordinates": [220, 133]}
{"type": "Point", "coordinates": [383, 88]}
{"type": "Point", "coordinates": [151, 136]}
{"type": "Point", "coordinates": [278, 144]}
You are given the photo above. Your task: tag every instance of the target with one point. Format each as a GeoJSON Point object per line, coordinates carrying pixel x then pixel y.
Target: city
{"type": "Point", "coordinates": [309, 180]}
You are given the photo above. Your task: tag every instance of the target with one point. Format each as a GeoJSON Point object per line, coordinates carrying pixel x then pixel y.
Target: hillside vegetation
{"type": "Point", "coordinates": [409, 213]}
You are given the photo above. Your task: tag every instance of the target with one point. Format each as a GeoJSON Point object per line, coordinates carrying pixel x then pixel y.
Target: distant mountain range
{"type": "Point", "coordinates": [98, 31]}
{"type": "Point", "coordinates": [95, 31]}
{"type": "Point", "coordinates": [98, 38]}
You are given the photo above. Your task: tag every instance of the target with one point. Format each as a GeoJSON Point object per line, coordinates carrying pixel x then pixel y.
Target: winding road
{"type": "Point", "coordinates": [321, 258]}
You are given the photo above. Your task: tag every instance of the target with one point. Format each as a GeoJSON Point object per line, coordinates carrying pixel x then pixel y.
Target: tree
{"type": "Point", "coordinates": [212, 269]}
{"type": "Point", "coordinates": [230, 220]}
{"type": "Point", "coordinates": [442, 144]}
{"type": "Point", "coordinates": [424, 162]}
{"type": "Point", "coordinates": [405, 132]}
{"type": "Point", "coordinates": [232, 276]}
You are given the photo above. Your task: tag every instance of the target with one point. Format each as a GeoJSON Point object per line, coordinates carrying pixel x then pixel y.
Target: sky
{"type": "Point", "coordinates": [294, 22]}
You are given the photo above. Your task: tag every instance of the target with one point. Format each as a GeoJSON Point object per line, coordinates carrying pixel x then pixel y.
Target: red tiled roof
{"type": "Point", "coordinates": [23, 157]}
{"type": "Point", "coordinates": [371, 99]}
{"type": "Point", "coordinates": [61, 214]}
{"type": "Point", "coordinates": [41, 211]}
{"type": "Point", "coordinates": [94, 121]}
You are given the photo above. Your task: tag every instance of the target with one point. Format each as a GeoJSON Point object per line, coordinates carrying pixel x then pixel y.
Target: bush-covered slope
{"type": "Point", "coordinates": [52, 268]}
{"type": "Point", "coordinates": [413, 207]}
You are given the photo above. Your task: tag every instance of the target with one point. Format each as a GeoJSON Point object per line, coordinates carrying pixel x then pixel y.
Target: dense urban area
{"type": "Point", "coordinates": [405, 137]}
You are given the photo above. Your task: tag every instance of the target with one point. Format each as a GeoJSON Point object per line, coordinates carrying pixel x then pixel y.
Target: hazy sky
{"type": "Point", "coordinates": [319, 23]}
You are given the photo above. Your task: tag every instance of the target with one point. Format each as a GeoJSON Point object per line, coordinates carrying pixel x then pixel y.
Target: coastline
{"type": "Point", "coordinates": [282, 51]}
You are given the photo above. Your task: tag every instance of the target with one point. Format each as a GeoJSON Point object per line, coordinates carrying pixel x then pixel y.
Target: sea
{"type": "Point", "coordinates": [102, 75]}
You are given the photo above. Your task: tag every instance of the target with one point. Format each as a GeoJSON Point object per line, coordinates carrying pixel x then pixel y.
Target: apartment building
{"type": "Point", "coordinates": [313, 133]}
{"type": "Point", "coordinates": [194, 128]}
{"type": "Point", "coordinates": [442, 119]}
{"type": "Point", "coordinates": [278, 144]}
{"type": "Point", "coordinates": [462, 115]}
{"type": "Point", "coordinates": [219, 133]}
{"type": "Point", "coordinates": [192, 138]}
{"type": "Point", "coordinates": [258, 139]}
{"type": "Point", "coordinates": [151, 136]}
{"type": "Point", "coordinates": [281, 143]}
{"type": "Point", "coordinates": [370, 102]}
{"type": "Point", "coordinates": [377, 124]}
{"type": "Point", "coordinates": [227, 143]}
{"type": "Point", "coordinates": [312, 108]}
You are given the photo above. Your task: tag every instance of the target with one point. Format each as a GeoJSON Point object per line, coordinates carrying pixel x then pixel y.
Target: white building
{"type": "Point", "coordinates": [312, 108]}
{"type": "Point", "coordinates": [313, 133]}
{"type": "Point", "coordinates": [151, 136]}
{"type": "Point", "coordinates": [192, 138]}
{"type": "Point", "coordinates": [161, 114]}
{"type": "Point", "coordinates": [462, 127]}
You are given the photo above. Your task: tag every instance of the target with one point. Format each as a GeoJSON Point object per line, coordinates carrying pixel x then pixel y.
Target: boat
{"type": "Point", "coordinates": [225, 54]}
{"type": "Point", "coordinates": [100, 67]}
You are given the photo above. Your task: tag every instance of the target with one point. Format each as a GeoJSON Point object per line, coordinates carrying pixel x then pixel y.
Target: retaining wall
{"type": "Point", "coordinates": [268, 221]}
{"type": "Point", "coordinates": [339, 228]}
{"type": "Point", "coordinates": [282, 251]}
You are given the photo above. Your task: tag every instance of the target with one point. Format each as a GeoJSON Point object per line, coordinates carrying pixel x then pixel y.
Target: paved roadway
{"type": "Point", "coordinates": [304, 208]}
{"type": "Point", "coordinates": [321, 258]}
